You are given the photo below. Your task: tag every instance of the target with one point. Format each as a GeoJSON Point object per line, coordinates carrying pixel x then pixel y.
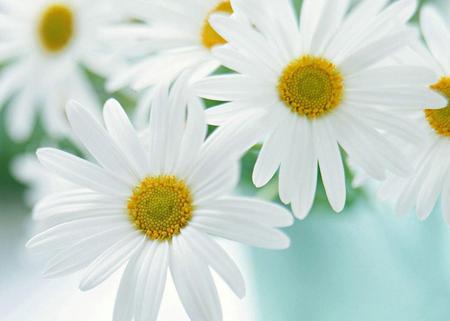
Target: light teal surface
{"type": "Point", "coordinates": [364, 264]}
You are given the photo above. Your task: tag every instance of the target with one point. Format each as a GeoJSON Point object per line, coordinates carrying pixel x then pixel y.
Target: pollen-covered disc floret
{"type": "Point", "coordinates": [56, 27]}
{"type": "Point", "coordinates": [210, 37]}
{"type": "Point", "coordinates": [161, 206]}
{"type": "Point", "coordinates": [311, 86]}
{"type": "Point", "coordinates": [439, 119]}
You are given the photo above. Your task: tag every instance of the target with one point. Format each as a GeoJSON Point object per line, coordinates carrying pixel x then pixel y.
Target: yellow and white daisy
{"type": "Point", "coordinates": [321, 85]}
{"type": "Point", "coordinates": [153, 207]}
{"type": "Point", "coordinates": [44, 44]}
{"type": "Point", "coordinates": [171, 37]}
{"type": "Point", "coordinates": [430, 157]}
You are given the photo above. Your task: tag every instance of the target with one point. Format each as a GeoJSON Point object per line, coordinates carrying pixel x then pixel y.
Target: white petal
{"type": "Point", "coordinates": [246, 39]}
{"type": "Point", "coordinates": [391, 76]}
{"type": "Point", "coordinates": [74, 202]}
{"type": "Point", "coordinates": [125, 136]}
{"type": "Point", "coordinates": [397, 98]}
{"type": "Point", "coordinates": [81, 172]}
{"type": "Point", "coordinates": [193, 136]}
{"type": "Point", "coordinates": [219, 183]}
{"type": "Point", "coordinates": [97, 141]}
{"type": "Point", "coordinates": [408, 196]}
{"type": "Point", "coordinates": [154, 283]}
{"type": "Point", "coordinates": [213, 254]}
{"type": "Point", "coordinates": [354, 23]}
{"type": "Point", "coordinates": [309, 20]}
{"type": "Point", "coordinates": [272, 153]}
{"type": "Point", "coordinates": [21, 114]}
{"type": "Point", "coordinates": [111, 260]}
{"type": "Point", "coordinates": [375, 52]}
{"type": "Point", "coordinates": [363, 154]}
{"type": "Point", "coordinates": [436, 35]}
{"type": "Point", "coordinates": [393, 159]}
{"type": "Point", "coordinates": [159, 128]}
{"type": "Point", "coordinates": [241, 230]}
{"type": "Point", "coordinates": [432, 184]}
{"type": "Point", "coordinates": [330, 163]}
{"type": "Point", "coordinates": [237, 61]}
{"type": "Point", "coordinates": [66, 234]}
{"type": "Point", "coordinates": [124, 305]}
{"type": "Point", "coordinates": [256, 210]}
{"type": "Point", "coordinates": [284, 190]}
{"type": "Point", "coordinates": [307, 174]}
{"type": "Point", "coordinates": [232, 87]}
{"type": "Point", "coordinates": [194, 283]}
{"type": "Point", "coordinates": [176, 120]}
{"type": "Point", "coordinates": [81, 254]}
{"type": "Point", "coordinates": [330, 19]}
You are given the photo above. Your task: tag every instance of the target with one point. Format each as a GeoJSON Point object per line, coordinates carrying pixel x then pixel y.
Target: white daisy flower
{"type": "Point", "coordinates": [173, 35]}
{"type": "Point", "coordinates": [430, 157]}
{"type": "Point", "coordinates": [321, 86]}
{"type": "Point", "coordinates": [45, 43]}
{"type": "Point", "coordinates": [156, 207]}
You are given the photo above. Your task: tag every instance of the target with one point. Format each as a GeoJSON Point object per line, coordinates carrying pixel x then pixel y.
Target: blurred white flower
{"type": "Point", "coordinates": [157, 208]}
{"type": "Point", "coordinates": [430, 157]}
{"type": "Point", "coordinates": [45, 45]}
{"type": "Point", "coordinates": [318, 87]}
{"type": "Point", "coordinates": [39, 181]}
{"type": "Point", "coordinates": [171, 37]}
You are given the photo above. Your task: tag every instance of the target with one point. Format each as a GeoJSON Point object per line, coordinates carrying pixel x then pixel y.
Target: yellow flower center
{"type": "Point", "coordinates": [56, 27]}
{"type": "Point", "coordinates": [439, 119]}
{"type": "Point", "coordinates": [311, 86]}
{"type": "Point", "coordinates": [210, 37]}
{"type": "Point", "coordinates": [160, 206]}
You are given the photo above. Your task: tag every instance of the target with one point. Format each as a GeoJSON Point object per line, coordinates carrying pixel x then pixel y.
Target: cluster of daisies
{"type": "Point", "coordinates": [339, 81]}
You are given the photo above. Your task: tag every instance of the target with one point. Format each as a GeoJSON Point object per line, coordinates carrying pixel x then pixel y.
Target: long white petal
{"type": "Point", "coordinates": [437, 37]}
{"type": "Point", "coordinates": [70, 232]}
{"type": "Point", "coordinates": [194, 283]}
{"type": "Point", "coordinates": [307, 174]}
{"type": "Point", "coordinates": [329, 21]}
{"type": "Point", "coordinates": [81, 254]}
{"type": "Point", "coordinates": [241, 230]}
{"type": "Point", "coordinates": [125, 136]}
{"type": "Point", "coordinates": [154, 283]}
{"type": "Point", "coordinates": [213, 254]}
{"type": "Point", "coordinates": [81, 172]}
{"type": "Point", "coordinates": [432, 184]}
{"type": "Point", "coordinates": [330, 163]}
{"type": "Point", "coordinates": [249, 208]}
{"type": "Point", "coordinates": [193, 137]}
{"type": "Point", "coordinates": [272, 153]}
{"type": "Point", "coordinates": [111, 260]}
{"type": "Point", "coordinates": [375, 52]}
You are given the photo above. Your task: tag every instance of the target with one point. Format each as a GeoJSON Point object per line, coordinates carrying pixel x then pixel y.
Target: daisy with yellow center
{"type": "Point", "coordinates": [318, 84]}
{"type": "Point", "coordinates": [153, 203]}
{"type": "Point", "coordinates": [173, 36]}
{"type": "Point", "coordinates": [46, 46]}
{"type": "Point", "coordinates": [430, 156]}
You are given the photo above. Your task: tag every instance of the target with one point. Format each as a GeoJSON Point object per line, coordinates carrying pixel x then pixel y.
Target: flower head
{"type": "Point", "coordinates": [153, 204]}
{"type": "Point", "coordinates": [172, 37]}
{"type": "Point", "coordinates": [320, 84]}
{"type": "Point", "coordinates": [430, 160]}
{"type": "Point", "coordinates": [45, 44]}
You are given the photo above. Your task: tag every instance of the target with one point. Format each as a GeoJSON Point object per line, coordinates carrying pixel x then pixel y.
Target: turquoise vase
{"type": "Point", "coordinates": [364, 264]}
